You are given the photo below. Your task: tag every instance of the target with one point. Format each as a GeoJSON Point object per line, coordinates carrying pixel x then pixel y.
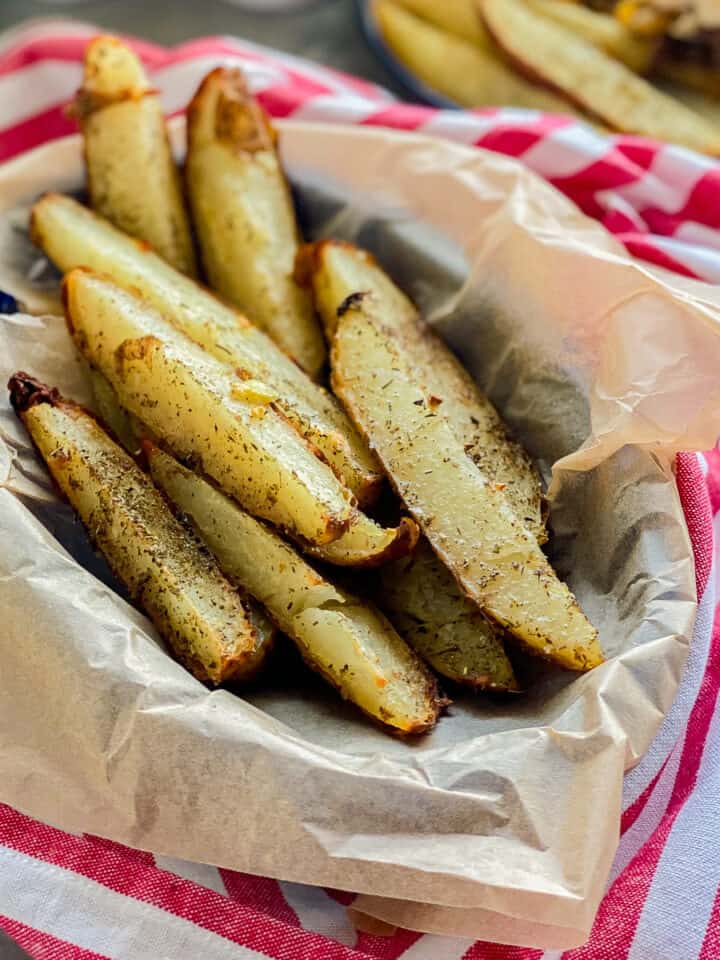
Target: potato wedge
{"type": "Point", "coordinates": [131, 174]}
{"type": "Point", "coordinates": [549, 53]}
{"type": "Point", "coordinates": [72, 236]}
{"type": "Point", "coordinates": [367, 544]}
{"type": "Point", "coordinates": [194, 402]}
{"type": "Point", "coordinates": [428, 609]}
{"type": "Point", "coordinates": [337, 271]}
{"type": "Point", "coordinates": [244, 215]}
{"type": "Point", "coordinates": [467, 520]}
{"type": "Point", "coordinates": [164, 568]}
{"type": "Point", "coordinates": [458, 69]}
{"type": "Point", "coordinates": [602, 30]}
{"type": "Point", "coordinates": [458, 17]}
{"type": "Point", "coordinates": [119, 422]}
{"type": "Point", "coordinates": [346, 641]}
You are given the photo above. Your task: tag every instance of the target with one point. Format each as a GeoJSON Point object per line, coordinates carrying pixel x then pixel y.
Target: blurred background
{"type": "Point", "coordinates": [324, 30]}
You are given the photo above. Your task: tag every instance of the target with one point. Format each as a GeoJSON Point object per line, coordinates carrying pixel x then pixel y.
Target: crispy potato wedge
{"type": "Point", "coordinates": [367, 544]}
{"type": "Point", "coordinates": [467, 520]}
{"type": "Point", "coordinates": [192, 400]}
{"type": "Point", "coordinates": [549, 53]}
{"type": "Point", "coordinates": [336, 272]}
{"type": "Point", "coordinates": [602, 30]}
{"type": "Point", "coordinates": [349, 643]}
{"type": "Point", "coordinates": [131, 174]}
{"type": "Point", "coordinates": [244, 215]}
{"type": "Point", "coordinates": [72, 236]}
{"type": "Point", "coordinates": [164, 568]}
{"type": "Point", "coordinates": [471, 75]}
{"type": "Point", "coordinates": [428, 609]}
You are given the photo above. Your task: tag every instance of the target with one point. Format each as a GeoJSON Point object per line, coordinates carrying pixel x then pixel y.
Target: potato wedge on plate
{"type": "Point", "coordinates": [428, 609]}
{"type": "Point", "coordinates": [198, 405]}
{"type": "Point", "coordinates": [466, 518]}
{"type": "Point", "coordinates": [131, 174]}
{"type": "Point", "coordinates": [244, 215]}
{"type": "Point", "coordinates": [163, 567]}
{"type": "Point", "coordinates": [461, 70]}
{"type": "Point", "coordinates": [549, 53]}
{"type": "Point", "coordinates": [72, 236]}
{"type": "Point", "coordinates": [337, 272]}
{"type": "Point", "coordinates": [348, 642]}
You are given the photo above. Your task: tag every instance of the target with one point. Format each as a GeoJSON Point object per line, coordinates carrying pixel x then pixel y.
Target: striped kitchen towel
{"type": "Point", "coordinates": [66, 897]}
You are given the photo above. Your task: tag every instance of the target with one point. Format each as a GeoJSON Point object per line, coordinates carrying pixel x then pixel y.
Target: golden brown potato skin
{"type": "Point", "coordinates": [203, 410]}
{"type": "Point", "coordinates": [347, 641]}
{"type": "Point", "coordinates": [337, 272]}
{"type": "Point", "coordinates": [73, 236]}
{"type": "Point", "coordinates": [131, 174]}
{"type": "Point", "coordinates": [469, 523]}
{"type": "Point", "coordinates": [244, 215]}
{"type": "Point", "coordinates": [164, 567]}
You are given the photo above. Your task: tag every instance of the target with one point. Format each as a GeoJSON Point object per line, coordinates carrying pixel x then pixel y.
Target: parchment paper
{"type": "Point", "coordinates": [503, 822]}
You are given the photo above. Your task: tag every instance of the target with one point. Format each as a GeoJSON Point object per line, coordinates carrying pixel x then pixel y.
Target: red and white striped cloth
{"type": "Point", "coordinates": [65, 897]}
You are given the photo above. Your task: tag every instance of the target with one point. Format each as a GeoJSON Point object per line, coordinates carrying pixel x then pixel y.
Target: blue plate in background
{"type": "Point", "coordinates": [415, 88]}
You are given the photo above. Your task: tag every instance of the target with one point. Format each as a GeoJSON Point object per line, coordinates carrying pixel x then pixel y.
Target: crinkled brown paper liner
{"type": "Point", "coordinates": [503, 822]}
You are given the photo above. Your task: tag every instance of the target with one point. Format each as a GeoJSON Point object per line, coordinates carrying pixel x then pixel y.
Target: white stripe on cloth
{"type": "Point", "coordinates": [567, 151]}
{"type": "Point", "coordinates": [698, 234]}
{"type": "Point", "coordinates": [318, 912]}
{"type": "Point", "coordinates": [457, 126]}
{"type": "Point", "coordinates": [704, 468]}
{"type": "Point", "coordinates": [201, 873]}
{"type": "Point", "coordinates": [679, 904]}
{"type": "Point", "coordinates": [329, 108]}
{"type": "Point", "coordinates": [32, 89]}
{"type": "Point", "coordinates": [432, 947]}
{"type": "Point", "coordinates": [43, 28]}
{"type": "Point", "coordinates": [705, 263]}
{"type": "Point", "coordinates": [85, 913]}
{"type": "Point", "coordinates": [675, 722]}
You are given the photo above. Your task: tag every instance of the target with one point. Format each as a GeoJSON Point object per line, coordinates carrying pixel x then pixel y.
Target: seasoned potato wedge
{"type": "Point", "coordinates": [428, 609]}
{"type": "Point", "coordinates": [548, 52]}
{"type": "Point", "coordinates": [367, 544]}
{"type": "Point", "coordinates": [131, 175]}
{"type": "Point", "coordinates": [198, 405]}
{"type": "Point", "coordinates": [467, 520]}
{"type": "Point", "coordinates": [73, 236]}
{"type": "Point", "coordinates": [458, 17]}
{"type": "Point", "coordinates": [244, 215]}
{"type": "Point", "coordinates": [337, 271]}
{"type": "Point", "coordinates": [461, 70]}
{"type": "Point", "coordinates": [348, 642]}
{"type": "Point", "coordinates": [163, 567]}
{"type": "Point", "coordinates": [602, 30]}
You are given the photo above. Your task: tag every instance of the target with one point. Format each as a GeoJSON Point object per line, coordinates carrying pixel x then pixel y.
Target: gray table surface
{"type": "Point", "coordinates": [328, 31]}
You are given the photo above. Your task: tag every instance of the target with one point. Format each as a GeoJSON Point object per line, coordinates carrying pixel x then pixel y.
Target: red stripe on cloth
{"type": "Point", "coordinates": [48, 125]}
{"type": "Point", "coordinates": [259, 893]}
{"type": "Point", "coordinates": [515, 139]}
{"type": "Point", "coordinates": [637, 150]}
{"type": "Point", "coordinates": [43, 946]}
{"type": "Point", "coordinates": [642, 247]}
{"type": "Point", "coordinates": [386, 948]}
{"type": "Point", "coordinates": [120, 870]}
{"type": "Point", "coordinates": [711, 944]}
{"type": "Point", "coordinates": [713, 479]}
{"type": "Point", "coordinates": [400, 116]}
{"type": "Point", "coordinates": [498, 951]}
{"type": "Point", "coordinates": [699, 509]}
